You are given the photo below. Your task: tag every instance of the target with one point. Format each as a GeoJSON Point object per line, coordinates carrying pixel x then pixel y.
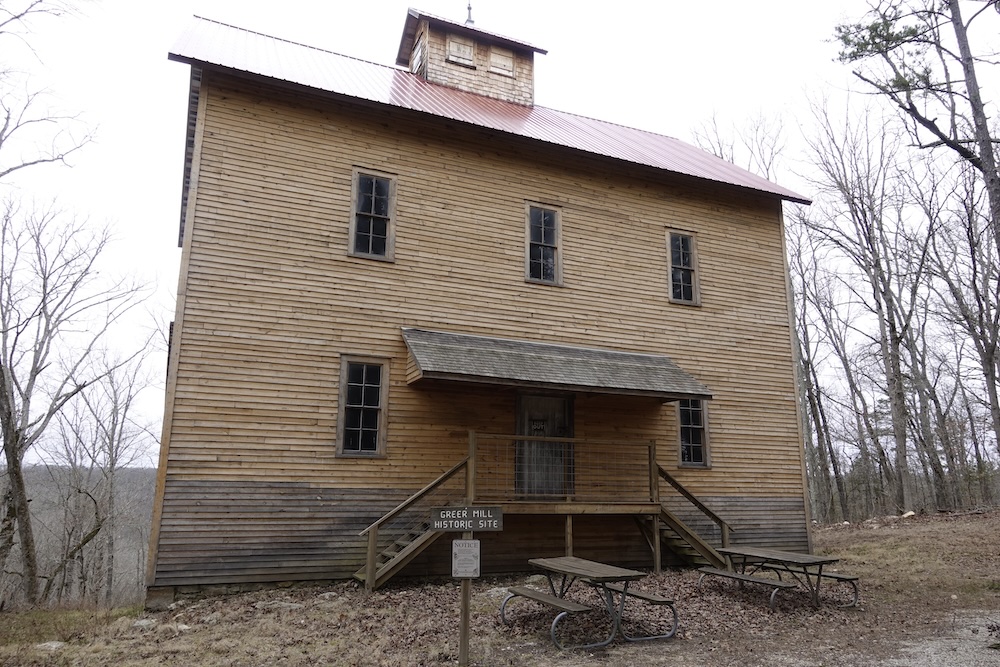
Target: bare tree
{"type": "Point", "coordinates": [757, 145]}
{"type": "Point", "coordinates": [30, 133]}
{"type": "Point", "coordinates": [55, 309]}
{"type": "Point", "coordinates": [909, 51]}
{"type": "Point", "coordinates": [864, 219]}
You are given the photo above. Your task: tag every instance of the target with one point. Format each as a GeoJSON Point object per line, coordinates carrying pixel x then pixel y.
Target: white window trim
{"type": "Point", "coordinates": [696, 282]}
{"type": "Point", "coordinates": [558, 278]}
{"type": "Point", "coordinates": [390, 241]}
{"type": "Point", "coordinates": [383, 416]}
{"type": "Point", "coordinates": [706, 449]}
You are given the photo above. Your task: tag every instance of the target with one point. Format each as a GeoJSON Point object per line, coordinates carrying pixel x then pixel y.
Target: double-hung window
{"type": "Point", "coordinates": [543, 262]}
{"type": "Point", "coordinates": [364, 387]}
{"type": "Point", "coordinates": [372, 232]}
{"type": "Point", "coordinates": [683, 268]}
{"type": "Point", "coordinates": [694, 440]}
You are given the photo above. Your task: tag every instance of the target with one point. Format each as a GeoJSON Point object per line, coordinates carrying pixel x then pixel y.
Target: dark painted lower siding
{"type": "Point", "coordinates": [779, 523]}
{"type": "Point", "coordinates": [231, 533]}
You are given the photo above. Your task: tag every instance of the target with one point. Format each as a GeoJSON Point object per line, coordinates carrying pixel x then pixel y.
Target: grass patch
{"type": "Point", "coordinates": [64, 625]}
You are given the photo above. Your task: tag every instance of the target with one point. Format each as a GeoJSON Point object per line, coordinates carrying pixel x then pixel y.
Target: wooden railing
{"type": "Point", "coordinates": [372, 531]}
{"type": "Point", "coordinates": [519, 468]}
{"type": "Point", "coordinates": [724, 527]}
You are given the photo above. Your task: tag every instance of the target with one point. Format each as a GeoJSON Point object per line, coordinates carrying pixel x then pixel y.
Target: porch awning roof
{"type": "Point", "coordinates": [467, 358]}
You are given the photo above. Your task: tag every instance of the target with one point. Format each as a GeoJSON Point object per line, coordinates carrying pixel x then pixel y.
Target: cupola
{"type": "Point", "coordinates": [459, 55]}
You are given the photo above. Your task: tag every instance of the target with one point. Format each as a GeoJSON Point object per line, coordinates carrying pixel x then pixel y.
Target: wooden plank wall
{"type": "Point", "coordinates": [269, 300]}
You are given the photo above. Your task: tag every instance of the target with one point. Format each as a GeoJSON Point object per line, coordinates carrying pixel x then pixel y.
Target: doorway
{"type": "Point", "coordinates": [544, 468]}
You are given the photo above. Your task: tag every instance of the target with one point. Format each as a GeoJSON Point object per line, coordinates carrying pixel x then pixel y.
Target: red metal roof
{"type": "Point", "coordinates": [208, 42]}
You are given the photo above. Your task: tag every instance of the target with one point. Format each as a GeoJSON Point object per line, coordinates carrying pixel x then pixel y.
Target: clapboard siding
{"type": "Point", "coordinates": [269, 301]}
{"type": "Point", "coordinates": [764, 521]}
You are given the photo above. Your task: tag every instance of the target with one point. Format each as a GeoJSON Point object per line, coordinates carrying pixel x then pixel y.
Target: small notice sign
{"type": "Point", "coordinates": [465, 561]}
{"type": "Point", "coordinates": [467, 519]}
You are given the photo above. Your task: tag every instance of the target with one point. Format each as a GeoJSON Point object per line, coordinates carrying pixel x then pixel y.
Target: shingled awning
{"type": "Point", "coordinates": [466, 358]}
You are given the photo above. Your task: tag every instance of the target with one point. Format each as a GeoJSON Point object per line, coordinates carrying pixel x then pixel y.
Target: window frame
{"type": "Point", "coordinates": [497, 58]}
{"type": "Point", "coordinates": [557, 278]}
{"type": "Point", "coordinates": [695, 273]}
{"type": "Point", "coordinates": [383, 420]}
{"type": "Point", "coordinates": [705, 449]}
{"type": "Point", "coordinates": [390, 240]}
{"type": "Point", "coordinates": [454, 55]}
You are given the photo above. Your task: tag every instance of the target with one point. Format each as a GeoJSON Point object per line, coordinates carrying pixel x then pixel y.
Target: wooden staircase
{"type": "Point", "coordinates": [406, 535]}
{"type": "Point", "coordinates": [681, 540]}
{"type": "Point", "coordinates": [397, 555]}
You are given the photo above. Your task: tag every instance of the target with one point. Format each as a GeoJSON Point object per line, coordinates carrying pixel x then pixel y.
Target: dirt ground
{"type": "Point", "coordinates": [930, 596]}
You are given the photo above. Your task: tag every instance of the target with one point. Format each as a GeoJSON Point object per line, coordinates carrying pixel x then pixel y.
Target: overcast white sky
{"type": "Point", "coordinates": [660, 65]}
{"type": "Point", "coordinates": [657, 65]}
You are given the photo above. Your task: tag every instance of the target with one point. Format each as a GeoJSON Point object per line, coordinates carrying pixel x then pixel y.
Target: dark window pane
{"type": "Point", "coordinates": [369, 419]}
{"type": "Point", "coordinates": [355, 373]}
{"type": "Point", "coordinates": [381, 188]}
{"type": "Point", "coordinates": [381, 206]}
{"type": "Point", "coordinates": [353, 418]}
{"type": "Point", "coordinates": [371, 396]}
{"type": "Point", "coordinates": [548, 263]}
{"type": "Point", "coordinates": [365, 184]}
{"type": "Point", "coordinates": [373, 374]}
{"type": "Point", "coordinates": [364, 226]}
{"type": "Point", "coordinates": [536, 233]}
{"type": "Point", "coordinates": [355, 392]}
{"type": "Point", "coordinates": [352, 441]}
{"type": "Point", "coordinates": [369, 441]}
{"type": "Point", "coordinates": [535, 216]}
{"type": "Point", "coordinates": [377, 246]}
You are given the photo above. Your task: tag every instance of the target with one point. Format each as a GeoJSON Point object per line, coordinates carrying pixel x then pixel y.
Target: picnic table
{"type": "Point", "coordinates": [806, 569]}
{"type": "Point", "coordinates": [611, 583]}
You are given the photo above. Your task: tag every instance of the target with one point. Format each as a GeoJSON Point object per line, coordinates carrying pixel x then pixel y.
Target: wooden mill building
{"type": "Point", "coordinates": [410, 287]}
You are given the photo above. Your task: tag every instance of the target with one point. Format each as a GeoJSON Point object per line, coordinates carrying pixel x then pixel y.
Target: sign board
{"type": "Point", "coordinates": [467, 519]}
{"type": "Point", "coordinates": [465, 561]}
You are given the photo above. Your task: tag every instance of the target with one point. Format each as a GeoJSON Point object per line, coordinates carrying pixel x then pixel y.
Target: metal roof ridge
{"type": "Point", "coordinates": [394, 68]}
{"type": "Point", "coordinates": [419, 13]}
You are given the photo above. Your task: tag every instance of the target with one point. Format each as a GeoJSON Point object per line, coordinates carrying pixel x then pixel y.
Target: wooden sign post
{"type": "Point", "coordinates": [466, 561]}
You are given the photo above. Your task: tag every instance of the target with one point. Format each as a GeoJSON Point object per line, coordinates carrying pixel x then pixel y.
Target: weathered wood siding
{"type": "Point", "coordinates": [250, 484]}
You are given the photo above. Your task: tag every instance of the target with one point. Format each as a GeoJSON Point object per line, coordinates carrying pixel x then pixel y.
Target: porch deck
{"type": "Point", "coordinates": [539, 476]}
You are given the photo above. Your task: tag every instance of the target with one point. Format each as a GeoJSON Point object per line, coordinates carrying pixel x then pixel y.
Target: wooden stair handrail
{"type": "Point", "coordinates": [417, 496]}
{"type": "Point", "coordinates": [719, 521]}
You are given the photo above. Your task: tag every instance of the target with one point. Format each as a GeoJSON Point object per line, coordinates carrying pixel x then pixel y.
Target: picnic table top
{"type": "Point", "coordinates": [587, 569]}
{"type": "Point", "coordinates": [778, 556]}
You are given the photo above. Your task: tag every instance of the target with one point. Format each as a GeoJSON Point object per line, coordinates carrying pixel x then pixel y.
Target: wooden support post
{"type": "Point", "coordinates": [470, 472]}
{"type": "Point", "coordinates": [569, 534]}
{"type": "Point", "coordinates": [657, 545]}
{"type": "Point", "coordinates": [370, 561]}
{"type": "Point", "coordinates": [654, 495]}
{"type": "Point", "coordinates": [465, 621]}
{"type": "Point", "coordinates": [654, 477]}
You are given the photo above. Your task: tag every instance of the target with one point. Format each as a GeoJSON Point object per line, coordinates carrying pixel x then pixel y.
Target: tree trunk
{"type": "Point", "coordinates": [25, 533]}
{"type": "Point", "coordinates": [980, 122]}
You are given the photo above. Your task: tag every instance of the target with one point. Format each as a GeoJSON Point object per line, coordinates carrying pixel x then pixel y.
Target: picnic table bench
{"type": "Point", "coordinates": [835, 576]}
{"type": "Point", "coordinates": [806, 569]}
{"type": "Point", "coordinates": [776, 584]}
{"type": "Point", "coordinates": [607, 580]}
{"type": "Point", "coordinates": [565, 607]}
